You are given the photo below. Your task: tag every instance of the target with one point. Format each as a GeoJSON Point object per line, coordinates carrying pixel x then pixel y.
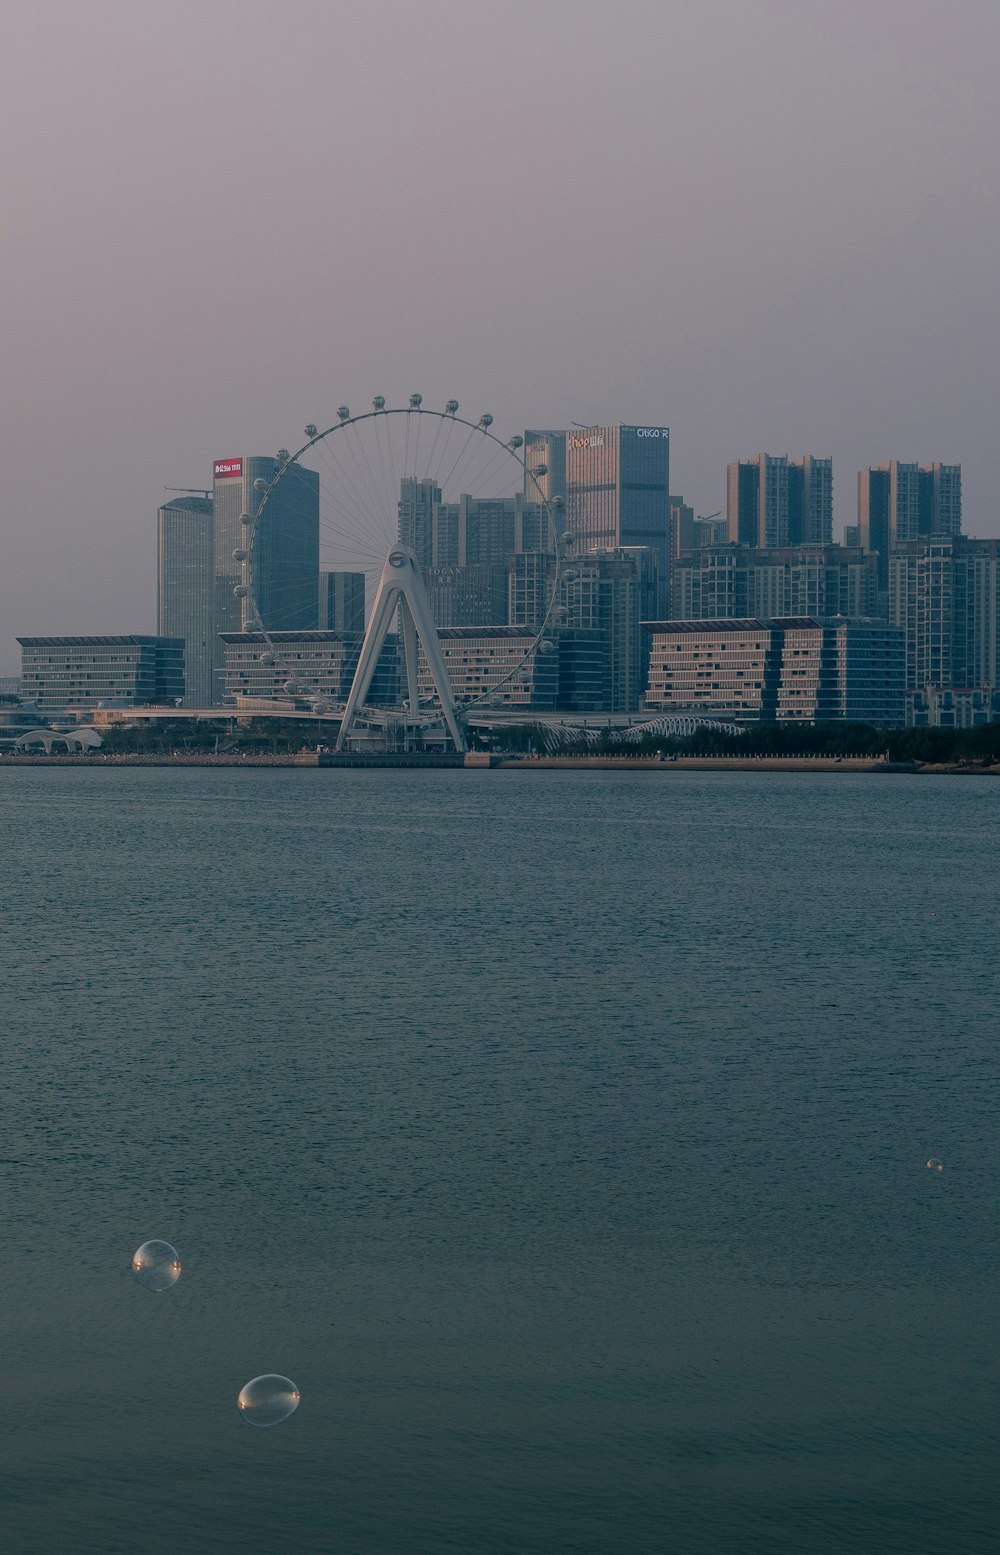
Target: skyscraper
{"type": "Point", "coordinates": [899, 502]}
{"type": "Point", "coordinates": [185, 589]}
{"type": "Point", "coordinates": [775, 501]}
{"type": "Point", "coordinates": [341, 602]}
{"type": "Point", "coordinates": [618, 492]}
{"type": "Point", "coordinates": [285, 564]}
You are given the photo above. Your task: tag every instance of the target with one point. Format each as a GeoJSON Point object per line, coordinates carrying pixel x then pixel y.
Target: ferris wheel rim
{"type": "Point", "coordinates": [287, 461]}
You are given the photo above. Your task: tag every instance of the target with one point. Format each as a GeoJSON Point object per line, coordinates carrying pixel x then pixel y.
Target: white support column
{"type": "Point", "coordinates": [410, 654]}
{"type": "Point", "coordinates": [401, 584]}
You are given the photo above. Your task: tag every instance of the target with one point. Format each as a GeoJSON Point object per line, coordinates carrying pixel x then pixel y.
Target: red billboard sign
{"type": "Point", "coordinates": [226, 468]}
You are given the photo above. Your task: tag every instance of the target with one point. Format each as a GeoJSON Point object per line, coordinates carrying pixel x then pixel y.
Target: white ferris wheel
{"type": "Point", "coordinates": [379, 474]}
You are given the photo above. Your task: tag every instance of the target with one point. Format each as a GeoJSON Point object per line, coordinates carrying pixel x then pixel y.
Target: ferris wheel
{"type": "Point", "coordinates": [442, 517]}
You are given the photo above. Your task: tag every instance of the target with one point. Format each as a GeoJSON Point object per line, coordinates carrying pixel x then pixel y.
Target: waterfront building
{"type": "Point", "coordinates": [318, 665]}
{"type": "Point", "coordinates": [791, 669]}
{"type": "Point", "coordinates": [899, 502]}
{"type": "Point", "coordinates": [773, 501]}
{"type": "Point", "coordinates": [489, 662]}
{"type": "Point", "coordinates": [618, 492]}
{"type": "Point", "coordinates": [59, 673]}
{"type": "Point", "coordinates": [944, 593]}
{"type": "Point", "coordinates": [742, 580]}
{"type": "Point", "coordinates": [185, 589]}
{"type": "Point", "coordinates": [342, 602]}
{"type": "Point", "coordinates": [493, 665]}
{"type": "Point", "coordinates": [285, 550]}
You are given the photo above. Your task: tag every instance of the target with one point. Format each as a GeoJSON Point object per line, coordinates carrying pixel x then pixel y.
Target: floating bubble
{"type": "Point", "coordinates": [935, 1165]}
{"type": "Point", "coordinates": [156, 1265]}
{"type": "Point", "coordinates": [268, 1400]}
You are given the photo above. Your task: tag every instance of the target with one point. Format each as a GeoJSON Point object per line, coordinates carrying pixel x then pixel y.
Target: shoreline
{"type": "Point", "coordinates": [483, 762]}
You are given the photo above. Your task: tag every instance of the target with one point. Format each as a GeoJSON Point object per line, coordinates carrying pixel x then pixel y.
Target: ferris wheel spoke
{"type": "Point", "coordinates": [361, 455]}
{"type": "Point", "coordinates": [363, 506]}
{"type": "Point", "coordinates": [460, 457]}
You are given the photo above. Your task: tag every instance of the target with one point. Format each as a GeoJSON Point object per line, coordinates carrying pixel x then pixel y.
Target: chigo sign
{"type": "Point", "coordinates": [225, 468]}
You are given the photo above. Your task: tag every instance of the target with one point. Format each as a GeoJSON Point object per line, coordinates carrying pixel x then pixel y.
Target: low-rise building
{"type": "Point", "coordinates": [83, 672]}
{"type": "Point", "coordinates": [785, 669]}
{"type": "Point", "coordinates": [296, 666]}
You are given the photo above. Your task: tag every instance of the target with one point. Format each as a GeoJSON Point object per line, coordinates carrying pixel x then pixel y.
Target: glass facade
{"type": "Point", "coordinates": [618, 492]}
{"type": "Point", "coordinates": [185, 591]}
{"type": "Point", "coordinates": [285, 564]}
{"type": "Point", "coordinates": [341, 602]}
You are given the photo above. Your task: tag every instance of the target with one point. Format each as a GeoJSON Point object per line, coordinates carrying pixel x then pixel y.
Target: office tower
{"type": "Point", "coordinates": [944, 592]}
{"type": "Point", "coordinates": [741, 580]}
{"type": "Point", "coordinates": [791, 669]}
{"type": "Point", "coordinates": [185, 589]}
{"type": "Point", "coordinates": [546, 448]}
{"type": "Point", "coordinates": [468, 596]}
{"type": "Point", "coordinates": [775, 501]}
{"type": "Point", "coordinates": [341, 602]}
{"type": "Point", "coordinates": [58, 673]}
{"type": "Point", "coordinates": [618, 492]}
{"type": "Point", "coordinates": [285, 561]}
{"type": "Point", "coordinates": [899, 502]}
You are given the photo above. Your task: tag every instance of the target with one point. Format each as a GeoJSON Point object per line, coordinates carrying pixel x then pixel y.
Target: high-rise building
{"type": "Point", "coordinates": [129, 671]}
{"type": "Point", "coordinates": [341, 602]}
{"type": "Point", "coordinates": [776, 501]}
{"type": "Point", "coordinates": [285, 559]}
{"type": "Point", "coordinates": [688, 532]}
{"type": "Point", "coordinates": [185, 589]}
{"type": "Point", "coordinates": [802, 580]}
{"type": "Point", "coordinates": [899, 502]}
{"type": "Point", "coordinates": [545, 449]}
{"type": "Point", "coordinates": [475, 595]}
{"type": "Point", "coordinates": [472, 532]}
{"type": "Point", "coordinates": [611, 593]}
{"type": "Point", "coordinates": [944, 592]}
{"type": "Point", "coordinates": [618, 492]}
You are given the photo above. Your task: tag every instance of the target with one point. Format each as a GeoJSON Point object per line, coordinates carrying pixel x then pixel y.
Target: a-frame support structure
{"type": "Point", "coordinates": [401, 586]}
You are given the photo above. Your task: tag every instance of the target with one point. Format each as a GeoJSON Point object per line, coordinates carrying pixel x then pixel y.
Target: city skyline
{"type": "Point", "coordinates": [135, 354]}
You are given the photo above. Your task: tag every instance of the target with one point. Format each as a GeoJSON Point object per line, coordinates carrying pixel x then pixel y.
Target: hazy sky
{"type": "Point", "coordinates": [770, 224]}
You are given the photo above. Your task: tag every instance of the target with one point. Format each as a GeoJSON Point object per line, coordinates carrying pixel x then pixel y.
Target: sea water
{"type": "Point", "coordinates": [564, 1135]}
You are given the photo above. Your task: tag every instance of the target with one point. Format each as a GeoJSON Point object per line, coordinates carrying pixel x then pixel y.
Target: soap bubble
{"type": "Point", "coordinates": [268, 1400]}
{"type": "Point", "coordinates": [935, 1165]}
{"type": "Point", "coordinates": [156, 1265]}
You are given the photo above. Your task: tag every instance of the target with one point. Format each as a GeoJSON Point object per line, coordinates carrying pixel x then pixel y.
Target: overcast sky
{"type": "Point", "coordinates": [769, 224]}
